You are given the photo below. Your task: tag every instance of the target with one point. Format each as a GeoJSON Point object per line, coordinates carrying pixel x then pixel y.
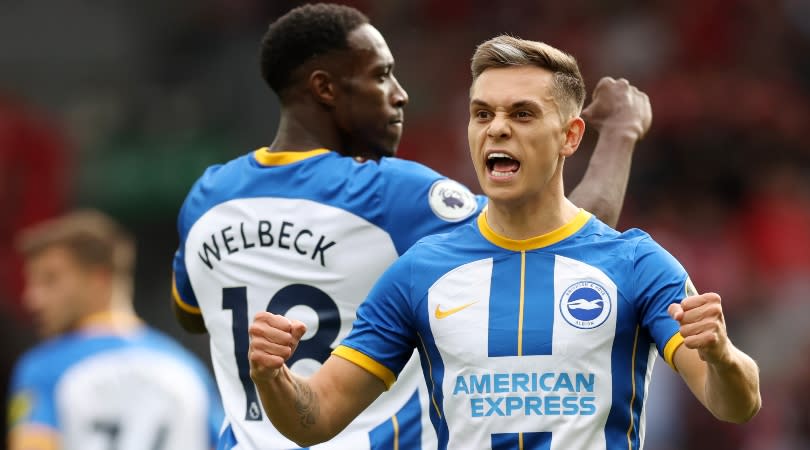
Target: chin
{"type": "Point", "coordinates": [500, 194]}
{"type": "Point", "coordinates": [385, 151]}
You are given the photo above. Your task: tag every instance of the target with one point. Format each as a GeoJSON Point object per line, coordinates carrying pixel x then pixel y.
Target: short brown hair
{"type": "Point", "coordinates": [93, 238]}
{"type": "Point", "coordinates": [505, 51]}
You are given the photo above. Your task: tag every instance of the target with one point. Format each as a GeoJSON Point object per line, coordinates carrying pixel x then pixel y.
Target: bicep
{"type": "Point", "coordinates": [693, 371]}
{"type": "Point", "coordinates": [345, 389]}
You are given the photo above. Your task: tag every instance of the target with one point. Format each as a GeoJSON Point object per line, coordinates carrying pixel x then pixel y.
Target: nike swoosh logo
{"type": "Point", "coordinates": [442, 314]}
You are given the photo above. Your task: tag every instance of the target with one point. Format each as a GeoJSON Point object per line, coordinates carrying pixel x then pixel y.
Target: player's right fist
{"type": "Point", "coordinates": [273, 340]}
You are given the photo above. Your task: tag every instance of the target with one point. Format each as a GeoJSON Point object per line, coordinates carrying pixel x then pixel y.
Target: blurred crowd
{"type": "Point", "coordinates": [120, 105]}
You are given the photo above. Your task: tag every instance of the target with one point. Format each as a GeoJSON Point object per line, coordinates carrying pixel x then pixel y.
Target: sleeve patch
{"type": "Point", "coordinates": [689, 288]}
{"type": "Point", "coordinates": [451, 201]}
{"type": "Point", "coordinates": [19, 408]}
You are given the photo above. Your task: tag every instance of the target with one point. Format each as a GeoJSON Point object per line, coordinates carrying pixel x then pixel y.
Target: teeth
{"type": "Point", "coordinates": [498, 155]}
{"type": "Point", "coordinates": [497, 174]}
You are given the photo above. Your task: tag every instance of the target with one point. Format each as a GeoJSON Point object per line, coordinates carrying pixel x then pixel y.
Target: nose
{"type": "Point", "coordinates": [499, 128]}
{"type": "Point", "coordinates": [399, 96]}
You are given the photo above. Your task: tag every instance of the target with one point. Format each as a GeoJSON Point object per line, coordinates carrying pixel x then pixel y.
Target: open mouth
{"type": "Point", "coordinates": [500, 164]}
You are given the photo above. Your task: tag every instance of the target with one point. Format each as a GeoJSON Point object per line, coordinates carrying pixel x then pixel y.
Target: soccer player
{"type": "Point", "coordinates": [302, 228]}
{"type": "Point", "coordinates": [103, 379]}
{"type": "Point", "coordinates": [537, 324]}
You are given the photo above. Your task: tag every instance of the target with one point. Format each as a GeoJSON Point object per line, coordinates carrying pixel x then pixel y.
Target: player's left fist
{"type": "Point", "coordinates": [703, 326]}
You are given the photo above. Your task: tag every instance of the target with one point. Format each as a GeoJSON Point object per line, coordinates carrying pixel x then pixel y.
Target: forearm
{"type": "Point", "coordinates": [294, 407]}
{"type": "Point", "coordinates": [732, 389]}
{"type": "Point", "coordinates": [604, 184]}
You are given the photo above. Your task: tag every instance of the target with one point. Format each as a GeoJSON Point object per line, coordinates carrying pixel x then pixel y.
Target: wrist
{"type": "Point", "coordinates": [618, 132]}
{"type": "Point", "coordinates": [722, 361]}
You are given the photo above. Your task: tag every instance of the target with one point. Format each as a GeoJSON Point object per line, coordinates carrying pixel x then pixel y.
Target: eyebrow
{"type": "Point", "coordinates": [516, 105]}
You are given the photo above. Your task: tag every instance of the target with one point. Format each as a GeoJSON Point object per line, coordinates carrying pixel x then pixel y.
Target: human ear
{"type": "Point", "coordinates": [574, 130]}
{"type": "Point", "coordinates": [321, 85]}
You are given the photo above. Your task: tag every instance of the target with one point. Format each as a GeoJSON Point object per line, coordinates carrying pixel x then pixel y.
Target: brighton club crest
{"type": "Point", "coordinates": [585, 304]}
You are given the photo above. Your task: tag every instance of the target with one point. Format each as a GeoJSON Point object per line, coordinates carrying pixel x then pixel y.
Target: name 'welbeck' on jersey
{"type": "Point", "coordinates": [244, 236]}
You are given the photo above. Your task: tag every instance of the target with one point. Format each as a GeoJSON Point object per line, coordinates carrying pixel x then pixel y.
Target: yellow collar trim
{"type": "Point", "coordinates": [544, 240]}
{"type": "Point", "coordinates": [267, 158]}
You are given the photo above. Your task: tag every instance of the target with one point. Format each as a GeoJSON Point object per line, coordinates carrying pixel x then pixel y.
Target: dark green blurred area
{"type": "Point", "coordinates": [132, 177]}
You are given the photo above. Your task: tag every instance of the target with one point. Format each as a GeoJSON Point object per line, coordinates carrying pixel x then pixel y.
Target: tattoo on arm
{"type": "Point", "coordinates": [306, 404]}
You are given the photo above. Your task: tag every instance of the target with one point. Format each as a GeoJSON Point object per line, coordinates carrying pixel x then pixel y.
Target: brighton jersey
{"type": "Point", "coordinates": [546, 343]}
{"type": "Point", "coordinates": [95, 391]}
{"type": "Point", "coordinates": [306, 234]}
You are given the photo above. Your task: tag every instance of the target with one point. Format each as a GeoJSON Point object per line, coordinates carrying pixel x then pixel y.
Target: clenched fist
{"type": "Point", "coordinates": [703, 326]}
{"type": "Point", "coordinates": [618, 105]}
{"type": "Point", "coordinates": [273, 340]}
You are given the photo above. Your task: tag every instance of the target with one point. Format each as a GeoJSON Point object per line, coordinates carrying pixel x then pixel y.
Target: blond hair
{"type": "Point", "coordinates": [506, 51]}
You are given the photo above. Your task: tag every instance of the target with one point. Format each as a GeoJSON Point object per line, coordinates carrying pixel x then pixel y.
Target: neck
{"type": "Point", "coordinates": [528, 218]}
{"type": "Point", "coordinates": [116, 320]}
{"type": "Point", "coordinates": [302, 128]}
{"type": "Point", "coordinates": [114, 311]}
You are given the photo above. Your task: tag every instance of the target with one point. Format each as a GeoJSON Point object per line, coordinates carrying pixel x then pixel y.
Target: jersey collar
{"type": "Point", "coordinates": [267, 158]}
{"type": "Point", "coordinates": [544, 240]}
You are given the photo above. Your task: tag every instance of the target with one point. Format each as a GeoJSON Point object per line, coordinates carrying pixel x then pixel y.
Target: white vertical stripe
{"type": "Point", "coordinates": [652, 355]}
{"type": "Point", "coordinates": [585, 351]}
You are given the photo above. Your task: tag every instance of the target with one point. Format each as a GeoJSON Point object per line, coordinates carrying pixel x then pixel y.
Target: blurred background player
{"type": "Point", "coordinates": [103, 379]}
{"type": "Point", "coordinates": [299, 228]}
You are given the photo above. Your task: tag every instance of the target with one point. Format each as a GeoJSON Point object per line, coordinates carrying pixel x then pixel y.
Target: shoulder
{"type": "Point", "coordinates": [642, 242]}
{"type": "Point", "coordinates": [432, 256]}
{"type": "Point", "coordinates": [46, 362]}
{"type": "Point", "coordinates": [596, 231]}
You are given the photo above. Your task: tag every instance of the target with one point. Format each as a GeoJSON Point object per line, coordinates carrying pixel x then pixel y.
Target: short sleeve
{"type": "Point", "coordinates": [383, 337]}
{"type": "Point", "coordinates": [182, 292]}
{"type": "Point", "coordinates": [660, 280]}
{"type": "Point", "coordinates": [32, 394]}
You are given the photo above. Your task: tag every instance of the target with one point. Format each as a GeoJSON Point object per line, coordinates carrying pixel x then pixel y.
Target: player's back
{"type": "Point", "coordinates": [305, 235]}
{"type": "Point", "coordinates": [99, 390]}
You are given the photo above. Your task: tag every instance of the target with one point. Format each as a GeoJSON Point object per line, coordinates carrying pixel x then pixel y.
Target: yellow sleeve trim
{"type": "Point", "coordinates": [364, 361]}
{"type": "Point", "coordinates": [669, 350]}
{"type": "Point", "coordinates": [179, 300]}
{"type": "Point", "coordinates": [33, 437]}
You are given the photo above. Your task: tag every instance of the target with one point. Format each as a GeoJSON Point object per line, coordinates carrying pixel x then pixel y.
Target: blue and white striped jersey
{"type": "Point", "coordinates": [545, 343]}
{"type": "Point", "coordinates": [93, 390]}
{"type": "Point", "coordinates": [306, 234]}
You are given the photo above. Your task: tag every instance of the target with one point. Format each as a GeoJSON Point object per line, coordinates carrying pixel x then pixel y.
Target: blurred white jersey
{"type": "Point", "coordinates": [123, 392]}
{"type": "Point", "coordinates": [306, 235]}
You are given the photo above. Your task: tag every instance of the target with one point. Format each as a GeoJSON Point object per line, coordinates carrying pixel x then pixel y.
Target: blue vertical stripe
{"type": "Point", "coordinates": [538, 304]}
{"type": "Point", "coordinates": [622, 429]}
{"type": "Point", "coordinates": [504, 307]}
{"type": "Point", "coordinates": [406, 435]}
{"type": "Point", "coordinates": [530, 441]}
{"type": "Point", "coordinates": [227, 440]}
{"type": "Point", "coordinates": [435, 376]}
